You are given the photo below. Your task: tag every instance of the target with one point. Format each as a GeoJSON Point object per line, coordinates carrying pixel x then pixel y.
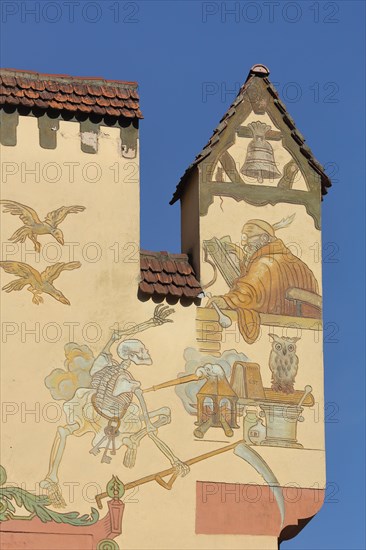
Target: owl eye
{"type": "Point", "coordinates": [278, 347]}
{"type": "Point", "coordinates": [291, 347]}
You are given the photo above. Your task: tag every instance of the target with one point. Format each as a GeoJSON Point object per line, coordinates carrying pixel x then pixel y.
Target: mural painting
{"type": "Point", "coordinates": [33, 226]}
{"type": "Point", "coordinates": [232, 371]}
{"type": "Point", "coordinates": [38, 283]}
{"type": "Point", "coordinates": [105, 406]}
{"type": "Point", "coordinates": [103, 398]}
{"type": "Point", "coordinates": [227, 392]}
{"type": "Point", "coordinates": [263, 276]}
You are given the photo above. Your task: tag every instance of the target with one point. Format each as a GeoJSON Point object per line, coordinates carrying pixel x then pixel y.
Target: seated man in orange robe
{"type": "Point", "coordinates": [268, 269]}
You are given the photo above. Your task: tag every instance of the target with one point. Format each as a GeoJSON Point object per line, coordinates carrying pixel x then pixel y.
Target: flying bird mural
{"type": "Point", "coordinates": [33, 226]}
{"type": "Point", "coordinates": [37, 282]}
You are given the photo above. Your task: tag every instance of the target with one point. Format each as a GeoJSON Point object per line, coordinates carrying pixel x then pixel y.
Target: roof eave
{"type": "Point", "coordinates": [257, 71]}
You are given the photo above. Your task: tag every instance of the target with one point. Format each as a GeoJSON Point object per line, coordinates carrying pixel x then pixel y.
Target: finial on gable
{"type": "Point", "coordinates": [259, 70]}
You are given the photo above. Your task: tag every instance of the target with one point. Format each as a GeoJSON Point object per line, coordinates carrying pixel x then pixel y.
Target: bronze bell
{"type": "Point", "coordinates": [260, 162]}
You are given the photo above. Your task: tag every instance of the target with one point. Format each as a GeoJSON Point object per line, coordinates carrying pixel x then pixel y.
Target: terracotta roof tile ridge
{"type": "Point", "coordinates": [48, 76]}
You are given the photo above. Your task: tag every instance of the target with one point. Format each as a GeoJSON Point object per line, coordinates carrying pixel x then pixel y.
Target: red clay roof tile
{"type": "Point", "coordinates": [66, 88]}
{"type": "Point", "coordinates": [114, 112]}
{"type": "Point", "coordinates": [144, 263]}
{"type": "Point", "coordinates": [82, 107]}
{"type": "Point", "coordinates": [146, 288]}
{"type": "Point", "coordinates": [151, 277]}
{"type": "Point", "coordinates": [160, 289]}
{"type": "Point", "coordinates": [154, 264]}
{"type": "Point", "coordinates": [175, 290]}
{"type": "Point", "coordinates": [60, 97]}
{"type": "Point", "coordinates": [9, 99]}
{"type": "Point", "coordinates": [6, 91]}
{"type": "Point", "coordinates": [98, 110]}
{"type": "Point", "coordinates": [169, 266]}
{"type": "Point", "coordinates": [179, 280]}
{"type": "Point", "coordinates": [27, 102]}
{"type": "Point", "coordinates": [80, 89]}
{"type": "Point", "coordinates": [46, 95]}
{"type": "Point", "coordinates": [103, 101]}
{"type": "Point", "coordinates": [192, 281]}
{"type": "Point", "coordinates": [87, 100]}
{"type": "Point", "coordinates": [164, 278]}
{"type": "Point", "coordinates": [115, 102]}
{"type": "Point", "coordinates": [52, 86]}
{"type": "Point", "coordinates": [190, 292]}
{"type": "Point", "coordinates": [43, 104]}
{"type": "Point", "coordinates": [129, 114]}
{"type": "Point", "coordinates": [183, 267]}
{"type": "Point", "coordinates": [31, 93]}
{"type": "Point", "coordinates": [23, 83]}
{"type": "Point", "coordinates": [108, 91]}
{"type": "Point", "coordinates": [67, 93]}
{"type": "Point", "coordinates": [9, 80]}
{"type": "Point", "coordinates": [123, 94]}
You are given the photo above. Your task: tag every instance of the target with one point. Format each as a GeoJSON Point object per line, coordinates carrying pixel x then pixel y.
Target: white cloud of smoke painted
{"type": "Point", "coordinates": [63, 383]}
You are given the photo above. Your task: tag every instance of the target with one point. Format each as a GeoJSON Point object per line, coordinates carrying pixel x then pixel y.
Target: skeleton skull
{"type": "Point", "coordinates": [135, 351]}
{"type": "Point", "coordinates": [210, 370]}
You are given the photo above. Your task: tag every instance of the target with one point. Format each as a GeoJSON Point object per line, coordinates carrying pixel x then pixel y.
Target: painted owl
{"type": "Point", "coordinates": [283, 363]}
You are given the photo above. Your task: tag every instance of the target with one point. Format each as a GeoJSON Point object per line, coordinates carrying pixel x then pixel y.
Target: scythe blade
{"type": "Point", "coordinates": [254, 459]}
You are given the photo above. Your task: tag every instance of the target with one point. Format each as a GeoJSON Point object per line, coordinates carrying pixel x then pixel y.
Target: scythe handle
{"type": "Point", "coordinates": [170, 471]}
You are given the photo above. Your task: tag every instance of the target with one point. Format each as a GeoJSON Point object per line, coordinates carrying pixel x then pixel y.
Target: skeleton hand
{"type": "Point", "coordinates": [219, 301]}
{"type": "Point", "coordinates": [160, 315]}
{"type": "Point", "coordinates": [131, 443]}
{"type": "Point", "coordinates": [181, 468]}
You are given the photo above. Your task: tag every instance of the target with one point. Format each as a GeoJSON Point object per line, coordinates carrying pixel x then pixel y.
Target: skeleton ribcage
{"type": "Point", "coordinates": [104, 382]}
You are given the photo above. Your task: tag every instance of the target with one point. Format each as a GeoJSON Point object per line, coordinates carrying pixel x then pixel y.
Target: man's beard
{"type": "Point", "coordinates": [248, 251]}
{"type": "Point", "coordinates": [251, 248]}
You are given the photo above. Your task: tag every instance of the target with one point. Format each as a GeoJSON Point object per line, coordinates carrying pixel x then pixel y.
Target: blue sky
{"type": "Point", "coordinates": [177, 51]}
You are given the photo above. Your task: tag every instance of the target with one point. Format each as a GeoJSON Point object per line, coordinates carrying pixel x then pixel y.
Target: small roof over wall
{"type": "Point", "coordinates": [256, 72]}
{"type": "Point", "coordinates": [72, 94]}
{"type": "Point", "coordinates": [166, 274]}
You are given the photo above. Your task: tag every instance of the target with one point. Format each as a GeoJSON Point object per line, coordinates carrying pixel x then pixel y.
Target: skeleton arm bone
{"type": "Point", "coordinates": [105, 357]}
{"type": "Point", "coordinates": [161, 314]}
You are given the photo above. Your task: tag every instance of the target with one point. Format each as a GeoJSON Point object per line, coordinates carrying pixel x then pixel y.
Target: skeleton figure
{"type": "Point", "coordinates": [107, 409]}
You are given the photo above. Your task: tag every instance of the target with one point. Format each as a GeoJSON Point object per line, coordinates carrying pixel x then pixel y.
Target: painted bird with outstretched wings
{"type": "Point", "coordinates": [37, 282]}
{"type": "Point", "coordinates": [33, 226]}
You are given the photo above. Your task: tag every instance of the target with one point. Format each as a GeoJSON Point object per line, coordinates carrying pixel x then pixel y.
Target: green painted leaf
{"type": "Point", "coordinates": [38, 505]}
{"type": "Point", "coordinates": [115, 488]}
